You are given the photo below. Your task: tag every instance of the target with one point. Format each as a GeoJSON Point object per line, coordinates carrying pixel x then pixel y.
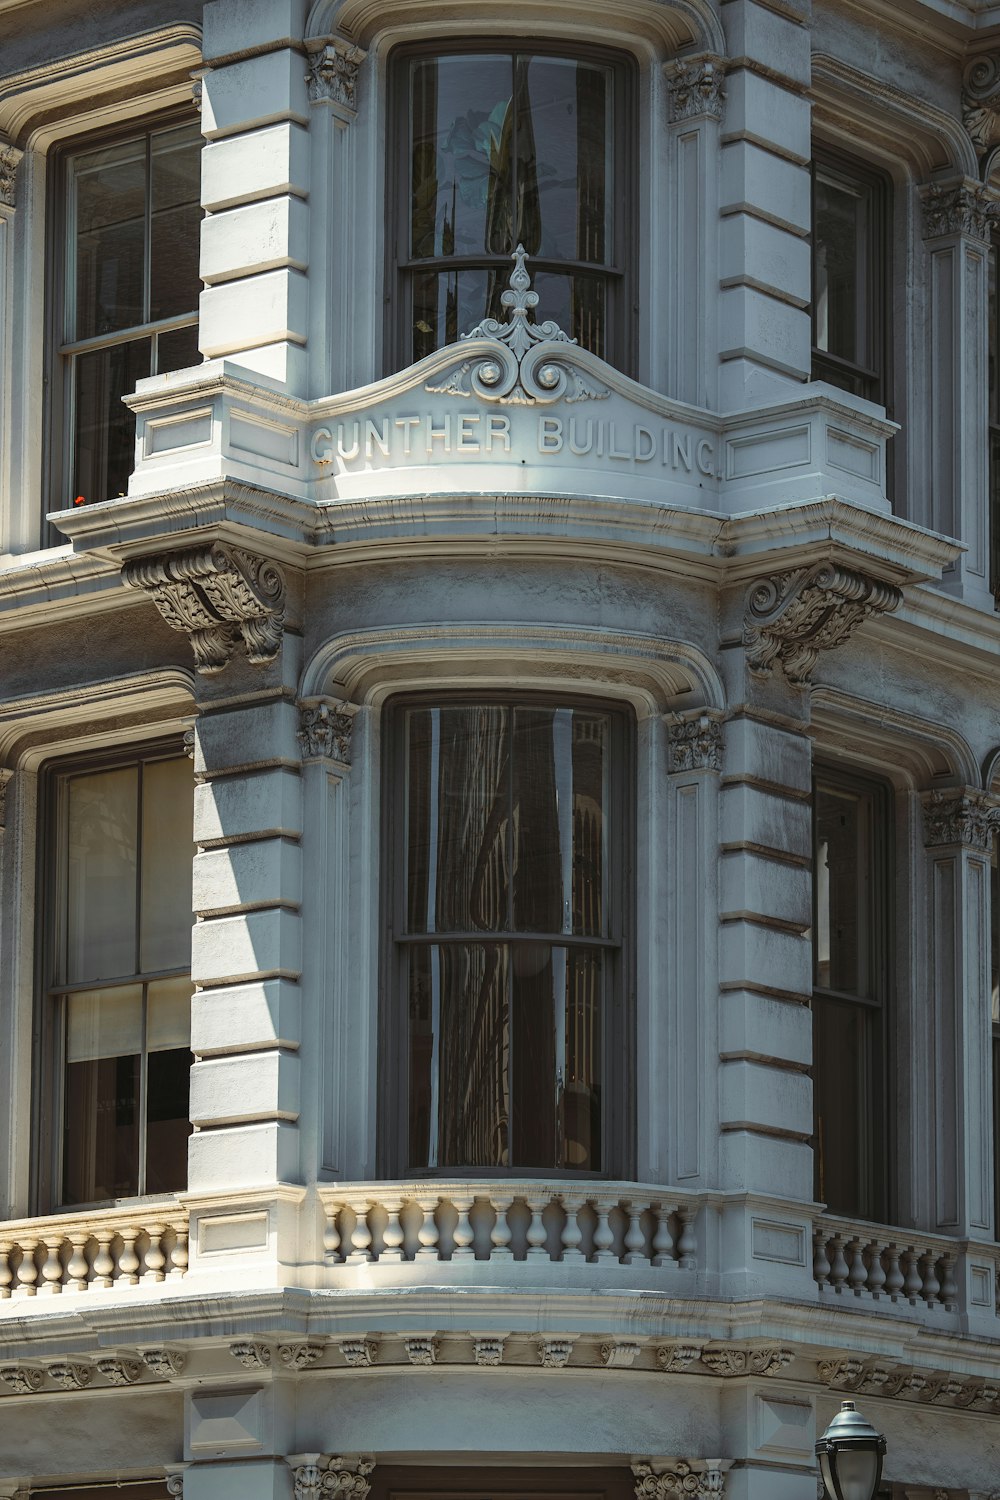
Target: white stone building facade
{"type": "Point", "coordinates": [499, 746]}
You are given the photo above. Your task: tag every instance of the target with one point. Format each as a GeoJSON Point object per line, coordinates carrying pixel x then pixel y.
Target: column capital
{"type": "Point", "coordinates": [968, 817]}
{"type": "Point", "coordinates": [694, 740]}
{"type": "Point", "coordinates": [6, 777]}
{"type": "Point", "coordinates": [10, 158]}
{"type": "Point", "coordinates": [321, 1476]}
{"type": "Point", "coordinates": [333, 75]}
{"type": "Point", "coordinates": [791, 617]}
{"type": "Point", "coordinates": [958, 208]}
{"type": "Point", "coordinates": [326, 729]}
{"type": "Point", "coordinates": [696, 87]}
{"type": "Point", "coordinates": [679, 1478]}
{"type": "Point", "coordinates": [981, 101]}
{"type": "Point", "coordinates": [212, 594]}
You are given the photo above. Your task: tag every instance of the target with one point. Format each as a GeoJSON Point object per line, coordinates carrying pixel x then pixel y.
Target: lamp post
{"type": "Point", "coordinates": [850, 1454]}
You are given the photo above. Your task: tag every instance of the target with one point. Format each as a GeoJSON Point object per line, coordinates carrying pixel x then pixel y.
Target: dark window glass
{"type": "Point", "coordinates": [849, 994]}
{"type": "Point", "coordinates": [507, 936]}
{"type": "Point", "coordinates": [121, 990]}
{"type": "Point", "coordinates": [849, 212]}
{"type": "Point", "coordinates": [993, 345]}
{"type": "Point", "coordinates": [995, 1014]}
{"type": "Point", "coordinates": [506, 148]}
{"type": "Point", "coordinates": [130, 302]}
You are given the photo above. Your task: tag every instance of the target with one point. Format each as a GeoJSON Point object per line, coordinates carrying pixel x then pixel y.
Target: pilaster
{"type": "Point", "coordinates": [10, 159]}
{"type": "Point", "coordinates": [957, 230]}
{"type": "Point", "coordinates": [765, 343]}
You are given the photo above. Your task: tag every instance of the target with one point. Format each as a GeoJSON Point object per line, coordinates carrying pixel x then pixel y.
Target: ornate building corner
{"type": "Point", "coordinates": [518, 373]}
{"type": "Point", "coordinates": [318, 1476]}
{"type": "Point", "coordinates": [694, 741]}
{"type": "Point", "coordinates": [791, 617]}
{"type": "Point", "coordinates": [360, 1353]}
{"type": "Point", "coordinates": [678, 1357]}
{"type": "Point", "coordinates": [24, 1380]}
{"type": "Point", "coordinates": [300, 1356]}
{"type": "Point", "coordinates": [167, 1363]}
{"type": "Point", "coordinates": [967, 817]}
{"type": "Point", "coordinates": [554, 1353]}
{"type": "Point", "coordinates": [981, 102]}
{"type": "Point", "coordinates": [71, 1375]}
{"type": "Point", "coordinates": [679, 1479]}
{"type": "Point", "coordinates": [212, 593]}
{"type": "Point", "coordinates": [10, 158]}
{"type": "Point", "coordinates": [251, 1355]}
{"type": "Point", "coordinates": [489, 1350]}
{"type": "Point", "coordinates": [326, 728]}
{"type": "Point", "coordinates": [333, 76]}
{"type": "Point", "coordinates": [695, 86]}
{"type": "Point", "coordinates": [620, 1355]}
{"type": "Point", "coordinates": [962, 208]}
{"type": "Point", "coordinates": [6, 777]}
{"type": "Point", "coordinates": [120, 1369]}
{"type": "Point", "coordinates": [422, 1350]}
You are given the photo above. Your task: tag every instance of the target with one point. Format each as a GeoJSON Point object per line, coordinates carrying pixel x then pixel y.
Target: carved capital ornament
{"type": "Point", "coordinates": [214, 594]}
{"type": "Point", "coordinates": [981, 102]}
{"type": "Point", "coordinates": [791, 617]}
{"type": "Point", "coordinates": [694, 742]}
{"type": "Point", "coordinates": [326, 727]}
{"type": "Point", "coordinates": [332, 1478]}
{"type": "Point", "coordinates": [333, 74]}
{"type": "Point", "coordinates": [696, 87]}
{"type": "Point", "coordinates": [683, 1480]}
{"type": "Point", "coordinates": [10, 158]}
{"type": "Point", "coordinates": [965, 208]}
{"type": "Point", "coordinates": [968, 817]}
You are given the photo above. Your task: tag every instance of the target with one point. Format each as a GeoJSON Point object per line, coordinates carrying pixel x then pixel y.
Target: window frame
{"type": "Point", "coordinates": [872, 381]}
{"type": "Point", "coordinates": [993, 409]}
{"type": "Point", "coordinates": [878, 1180]}
{"type": "Point", "coordinates": [620, 275]}
{"type": "Point", "coordinates": [619, 1038]}
{"type": "Point", "coordinates": [48, 1044]}
{"type": "Point", "coordinates": [59, 420]}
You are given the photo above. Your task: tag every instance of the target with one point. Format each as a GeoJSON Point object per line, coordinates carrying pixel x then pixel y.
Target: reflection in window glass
{"type": "Point", "coordinates": [506, 901]}
{"type": "Point", "coordinates": [849, 277]}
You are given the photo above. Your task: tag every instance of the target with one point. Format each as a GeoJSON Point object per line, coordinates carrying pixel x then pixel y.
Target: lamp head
{"type": "Point", "coordinates": [850, 1454]}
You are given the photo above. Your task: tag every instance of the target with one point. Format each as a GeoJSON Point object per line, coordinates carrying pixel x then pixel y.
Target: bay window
{"type": "Point", "coordinates": [507, 998]}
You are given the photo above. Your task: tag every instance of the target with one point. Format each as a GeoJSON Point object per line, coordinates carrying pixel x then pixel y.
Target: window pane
{"type": "Point", "coordinates": [101, 875]}
{"type": "Point", "coordinates": [459, 1056]}
{"type": "Point", "coordinates": [577, 303]}
{"type": "Point", "coordinates": [177, 350]}
{"type": "Point", "coordinates": [564, 158]}
{"type": "Point", "coordinates": [176, 222]}
{"type": "Point", "coordinates": [841, 255]}
{"type": "Point", "coordinates": [461, 156]}
{"type": "Point", "coordinates": [168, 1082]}
{"type": "Point", "coordinates": [110, 210]}
{"type": "Point", "coordinates": [845, 1109]}
{"type": "Point", "coordinates": [167, 853]}
{"type": "Point", "coordinates": [168, 1014]}
{"type": "Point", "coordinates": [101, 1103]}
{"type": "Point", "coordinates": [447, 304]}
{"type": "Point", "coordinates": [104, 449]}
{"type": "Point", "coordinates": [844, 891]}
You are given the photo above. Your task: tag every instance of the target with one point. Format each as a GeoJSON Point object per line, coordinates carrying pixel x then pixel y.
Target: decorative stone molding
{"type": "Point", "coordinates": [251, 1355]}
{"type": "Point", "coordinates": [489, 1350]}
{"type": "Point", "coordinates": [553, 1354]}
{"type": "Point", "coordinates": [209, 594]}
{"type": "Point", "coordinates": [71, 1375]}
{"type": "Point", "coordinates": [678, 1358]}
{"type": "Point", "coordinates": [301, 1355]}
{"type": "Point", "coordinates": [175, 1483]}
{"type": "Point", "coordinates": [981, 102]}
{"type": "Point", "coordinates": [325, 1477]}
{"type": "Point", "coordinates": [24, 1380]}
{"type": "Point", "coordinates": [963, 209]}
{"type": "Point", "coordinates": [327, 725]}
{"type": "Point", "coordinates": [694, 742]}
{"type": "Point", "coordinates": [791, 617]}
{"type": "Point", "coordinates": [729, 1362]}
{"type": "Point", "coordinates": [840, 1374]}
{"type": "Point", "coordinates": [166, 1363]}
{"type": "Point", "coordinates": [516, 371]}
{"type": "Point", "coordinates": [10, 158]}
{"type": "Point", "coordinates": [6, 777]}
{"type": "Point", "coordinates": [333, 74]}
{"type": "Point", "coordinates": [421, 1350]}
{"type": "Point", "coordinates": [359, 1352]}
{"type": "Point", "coordinates": [189, 742]}
{"type": "Point", "coordinates": [695, 86]}
{"type": "Point", "coordinates": [685, 1480]}
{"type": "Point", "coordinates": [621, 1355]}
{"type": "Point", "coordinates": [969, 817]}
{"type": "Point", "coordinates": [120, 1369]}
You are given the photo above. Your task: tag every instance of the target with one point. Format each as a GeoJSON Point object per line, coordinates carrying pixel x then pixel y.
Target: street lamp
{"type": "Point", "coordinates": [850, 1456]}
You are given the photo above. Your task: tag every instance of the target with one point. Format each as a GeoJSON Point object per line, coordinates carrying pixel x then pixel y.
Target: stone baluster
{"type": "Point", "coordinates": [361, 1240]}
{"type": "Point", "coordinates": [536, 1229]}
{"type": "Point", "coordinates": [857, 1277]}
{"type": "Point", "coordinates": [464, 1235]}
{"type": "Point", "coordinates": [427, 1234]}
{"type": "Point", "coordinates": [876, 1274]}
{"type": "Point", "coordinates": [604, 1237]}
{"type": "Point", "coordinates": [894, 1279]}
{"type": "Point", "coordinates": [6, 1273]}
{"type": "Point", "coordinates": [501, 1234]}
{"type": "Point", "coordinates": [821, 1265]}
{"type": "Point", "coordinates": [931, 1286]}
{"type": "Point", "coordinates": [179, 1254]}
{"type": "Point", "coordinates": [331, 1237]}
{"type": "Point", "coordinates": [663, 1240]}
{"type": "Point", "coordinates": [128, 1260]}
{"type": "Point", "coordinates": [27, 1271]}
{"type": "Point", "coordinates": [393, 1235]}
{"type": "Point", "coordinates": [77, 1269]}
{"type": "Point", "coordinates": [572, 1234]}
{"type": "Point", "coordinates": [104, 1264]}
{"type": "Point", "coordinates": [949, 1284]}
{"type": "Point", "coordinates": [635, 1239]}
{"type": "Point", "coordinates": [913, 1283]}
{"type": "Point", "coordinates": [155, 1258]}
{"type": "Point", "coordinates": [52, 1267]}
{"type": "Point", "coordinates": [687, 1244]}
{"type": "Point", "coordinates": [838, 1267]}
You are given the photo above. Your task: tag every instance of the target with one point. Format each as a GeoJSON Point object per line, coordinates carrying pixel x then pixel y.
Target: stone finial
{"type": "Point", "coordinates": [791, 617]}
{"type": "Point", "coordinates": [967, 817]}
{"type": "Point", "coordinates": [682, 1479]}
{"type": "Point", "coordinates": [211, 594]}
{"type": "Point", "coordinates": [962, 208]}
{"type": "Point", "coordinates": [326, 728]}
{"type": "Point", "coordinates": [694, 741]}
{"type": "Point", "coordinates": [333, 75]}
{"type": "Point", "coordinates": [10, 158]}
{"type": "Point", "coordinates": [696, 86]}
{"type": "Point", "coordinates": [981, 102]}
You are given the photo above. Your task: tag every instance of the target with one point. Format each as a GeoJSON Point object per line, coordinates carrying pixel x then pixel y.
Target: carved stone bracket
{"type": "Point", "coordinates": [333, 75]}
{"type": "Point", "coordinates": [729, 1362]}
{"type": "Point", "coordinates": [359, 1352]}
{"type": "Point", "coordinates": [981, 102]}
{"type": "Point", "coordinates": [327, 725]}
{"type": "Point", "coordinates": [488, 1350]}
{"type": "Point", "coordinates": [695, 86]}
{"type": "Point", "coordinates": [251, 1354]}
{"type": "Point", "coordinates": [421, 1350]}
{"type": "Point", "coordinates": [299, 1356]}
{"type": "Point", "coordinates": [71, 1375]}
{"type": "Point", "coordinates": [5, 780]}
{"type": "Point", "coordinates": [518, 371]}
{"type": "Point", "coordinates": [23, 1380]}
{"type": "Point", "coordinates": [175, 1483]}
{"type": "Point", "coordinates": [694, 741]}
{"type": "Point", "coordinates": [963, 208]}
{"type": "Point", "coordinates": [10, 158]}
{"type": "Point", "coordinates": [321, 1476]}
{"type": "Point", "coordinates": [684, 1479]}
{"type": "Point", "coordinates": [968, 817]}
{"type": "Point", "coordinates": [120, 1369]}
{"type": "Point", "coordinates": [671, 1360]}
{"type": "Point", "coordinates": [553, 1354]}
{"type": "Point", "coordinates": [167, 1363]}
{"type": "Point", "coordinates": [792, 617]}
{"type": "Point", "coordinates": [211, 593]}
{"type": "Point", "coordinates": [620, 1355]}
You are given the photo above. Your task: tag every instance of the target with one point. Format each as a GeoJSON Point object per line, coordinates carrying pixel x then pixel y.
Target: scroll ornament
{"type": "Point", "coordinates": [518, 370]}
{"type": "Point", "coordinates": [213, 595]}
{"type": "Point", "coordinates": [981, 102]}
{"type": "Point", "coordinates": [680, 1482]}
{"type": "Point", "coordinates": [333, 1478]}
{"type": "Point", "coordinates": [792, 617]}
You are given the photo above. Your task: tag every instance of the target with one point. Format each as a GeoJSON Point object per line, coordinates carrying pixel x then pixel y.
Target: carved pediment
{"type": "Point", "coordinates": [792, 617]}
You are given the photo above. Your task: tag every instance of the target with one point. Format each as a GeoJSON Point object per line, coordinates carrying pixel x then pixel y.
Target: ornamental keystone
{"type": "Point", "coordinates": [791, 617]}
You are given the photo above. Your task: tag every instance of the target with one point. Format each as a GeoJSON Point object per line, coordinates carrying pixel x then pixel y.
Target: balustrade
{"type": "Point", "coordinates": [526, 1221]}
{"type": "Point", "coordinates": [91, 1252]}
{"type": "Point", "coordinates": [891, 1266]}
